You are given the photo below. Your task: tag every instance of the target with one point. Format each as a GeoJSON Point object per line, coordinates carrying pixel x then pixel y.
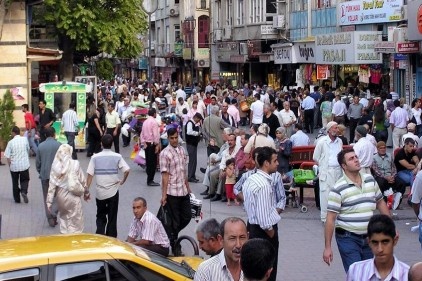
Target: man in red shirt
{"type": "Point", "coordinates": [30, 128]}
{"type": "Point", "coordinates": [150, 140]}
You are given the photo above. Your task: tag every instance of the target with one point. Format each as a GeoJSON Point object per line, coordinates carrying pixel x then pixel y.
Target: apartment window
{"type": "Point", "coordinates": [257, 11]}
{"type": "Point", "coordinates": [176, 1]}
{"type": "Point", "coordinates": [177, 32]}
{"type": "Point", "coordinates": [203, 4]}
{"type": "Point", "coordinates": [299, 5]}
{"type": "Point", "coordinates": [203, 32]}
{"type": "Point", "coordinates": [319, 4]}
{"type": "Point", "coordinates": [239, 13]}
{"type": "Point", "coordinates": [229, 12]}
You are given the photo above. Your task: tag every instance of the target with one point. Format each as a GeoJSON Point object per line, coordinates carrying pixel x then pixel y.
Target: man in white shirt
{"type": "Point", "coordinates": [288, 118]}
{"type": "Point", "coordinates": [181, 104]}
{"type": "Point", "coordinates": [364, 150]}
{"type": "Point", "coordinates": [233, 111]}
{"type": "Point", "coordinates": [257, 110]}
{"type": "Point", "coordinates": [180, 93]}
{"type": "Point", "coordinates": [299, 138]}
{"type": "Point", "coordinates": [201, 108]}
{"type": "Point", "coordinates": [70, 127]}
{"type": "Point", "coordinates": [398, 121]}
{"type": "Point", "coordinates": [308, 105]}
{"type": "Point", "coordinates": [339, 110]}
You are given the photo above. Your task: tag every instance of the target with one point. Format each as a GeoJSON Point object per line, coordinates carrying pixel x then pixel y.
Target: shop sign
{"type": "Point", "coordinates": [356, 47]}
{"type": "Point", "coordinates": [187, 53]}
{"type": "Point", "coordinates": [268, 29]}
{"type": "Point", "coordinates": [160, 62]}
{"type": "Point", "coordinates": [322, 72]}
{"type": "Point", "coordinates": [401, 57]}
{"type": "Point", "coordinates": [414, 25]}
{"type": "Point", "coordinates": [407, 47]}
{"type": "Point", "coordinates": [304, 53]}
{"type": "Point", "coordinates": [387, 47]}
{"type": "Point", "coordinates": [283, 55]}
{"type": "Point", "coordinates": [143, 63]}
{"type": "Point", "coordinates": [369, 11]}
{"type": "Point", "coordinates": [178, 49]}
{"type": "Point", "coordinates": [203, 53]}
{"type": "Point", "coordinates": [237, 58]}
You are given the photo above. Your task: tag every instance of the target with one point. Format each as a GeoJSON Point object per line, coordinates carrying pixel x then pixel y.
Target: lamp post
{"type": "Point", "coordinates": [149, 6]}
{"type": "Point", "coordinates": [190, 23]}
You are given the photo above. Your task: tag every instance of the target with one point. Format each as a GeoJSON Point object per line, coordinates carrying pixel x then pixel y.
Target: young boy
{"type": "Point", "coordinates": [382, 238]}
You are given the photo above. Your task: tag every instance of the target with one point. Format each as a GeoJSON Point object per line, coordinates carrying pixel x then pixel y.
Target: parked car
{"type": "Point", "coordinates": [87, 257]}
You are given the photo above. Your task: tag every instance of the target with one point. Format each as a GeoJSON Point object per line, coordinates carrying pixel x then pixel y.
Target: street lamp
{"type": "Point", "coordinates": [149, 6]}
{"type": "Point", "coordinates": [190, 24]}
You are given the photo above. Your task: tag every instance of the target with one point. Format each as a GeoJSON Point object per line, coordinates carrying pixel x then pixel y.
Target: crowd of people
{"type": "Point", "coordinates": [250, 133]}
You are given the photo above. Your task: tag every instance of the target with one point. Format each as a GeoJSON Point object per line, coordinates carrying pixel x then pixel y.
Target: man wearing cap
{"type": "Point", "coordinates": [385, 173]}
{"type": "Point", "coordinates": [411, 129]}
{"type": "Point", "coordinates": [193, 137]}
{"type": "Point", "coordinates": [325, 156]}
{"type": "Point", "coordinates": [364, 149]}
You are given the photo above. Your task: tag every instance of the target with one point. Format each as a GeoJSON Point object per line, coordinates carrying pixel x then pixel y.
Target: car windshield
{"type": "Point", "coordinates": [181, 268]}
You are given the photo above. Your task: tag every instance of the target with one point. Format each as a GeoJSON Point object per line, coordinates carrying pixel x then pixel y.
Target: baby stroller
{"type": "Point", "coordinates": [292, 195]}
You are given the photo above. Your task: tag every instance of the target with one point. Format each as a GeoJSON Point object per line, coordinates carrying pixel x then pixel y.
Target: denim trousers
{"type": "Point", "coordinates": [352, 248]}
{"type": "Point", "coordinates": [406, 176]}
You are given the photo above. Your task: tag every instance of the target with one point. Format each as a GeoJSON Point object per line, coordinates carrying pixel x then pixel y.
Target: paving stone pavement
{"type": "Point", "coordinates": [301, 234]}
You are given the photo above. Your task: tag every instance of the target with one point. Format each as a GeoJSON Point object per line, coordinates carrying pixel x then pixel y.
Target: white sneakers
{"type": "Point", "coordinates": [397, 197]}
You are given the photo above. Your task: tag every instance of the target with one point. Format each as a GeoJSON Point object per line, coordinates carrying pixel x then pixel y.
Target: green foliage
{"type": "Point", "coordinates": [7, 106]}
{"type": "Point", "coordinates": [104, 69]}
{"type": "Point", "coordinates": [111, 25]}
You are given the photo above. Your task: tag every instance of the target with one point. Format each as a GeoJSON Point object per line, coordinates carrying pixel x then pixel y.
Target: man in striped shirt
{"type": "Point", "coordinates": [260, 205]}
{"type": "Point", "coordinates": [146, 230]}
{"type": "Point", "coordinates": [351, 203]}
{"type": "Point", "coordinates": [226, 265]}
{"type": "Point", "coordinates": [70, 126]}
{"type": "Point", "coordinates": [382, 237]}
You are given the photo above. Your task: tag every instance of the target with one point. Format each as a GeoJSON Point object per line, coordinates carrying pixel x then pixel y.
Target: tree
{"type": "Point", "coordinates": [104, 69]}
{"type": "Point", "coordinates": [109, 26]}
{"type": "Point", "coordinates": [7, 106]}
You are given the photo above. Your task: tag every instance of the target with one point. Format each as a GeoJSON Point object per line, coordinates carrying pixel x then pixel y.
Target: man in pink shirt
{"type": "Point", "coordinates": [150, 141]}
{"type": "Point", "coordinates": [233, 111]}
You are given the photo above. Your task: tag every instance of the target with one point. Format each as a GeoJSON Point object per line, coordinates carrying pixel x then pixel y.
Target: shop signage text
{"type": "Point", "coordinates": [356, 47]}
{"type": "Point", "coordinates": [298, 53]}
{"type": "Point", "coordinates": [407, 47]}
{"type": "Point", "coordinates": [369, 11]}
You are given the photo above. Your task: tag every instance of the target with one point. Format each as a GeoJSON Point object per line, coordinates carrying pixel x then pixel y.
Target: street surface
{"type": "Point", "coordinates": [301, 234]}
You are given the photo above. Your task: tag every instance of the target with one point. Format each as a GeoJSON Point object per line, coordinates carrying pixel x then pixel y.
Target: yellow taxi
{"type": "Point", "coordinates": [87, 257]}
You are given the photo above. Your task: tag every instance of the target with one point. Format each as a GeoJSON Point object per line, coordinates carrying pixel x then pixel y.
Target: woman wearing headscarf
{"type": "Point", "coordinates": [69, 205]}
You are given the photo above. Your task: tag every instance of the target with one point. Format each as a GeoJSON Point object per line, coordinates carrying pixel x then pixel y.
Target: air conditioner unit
{"type": "Point", "coordinates": [227, 32]}
{"type": "Point", "coordinates": [243, 48]}
{"type": "Point", "coordinates": [403, 12]}
{"type": "Point", "coordinates": [203, 63]}
{"type": "Point", "coordinates": [174, 12]}
{"type": "Point", "coordinates": [279, 21]}
{"type": "Point", "coordinates": [218, 34]}
{"type": "Point", "coordinates": [37, 33]}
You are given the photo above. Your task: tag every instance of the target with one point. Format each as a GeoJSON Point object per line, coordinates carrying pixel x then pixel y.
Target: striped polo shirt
{"type": "Point", "coordinates": [106, 166]}
{"type": "Point", "coordinates": [354, 206]}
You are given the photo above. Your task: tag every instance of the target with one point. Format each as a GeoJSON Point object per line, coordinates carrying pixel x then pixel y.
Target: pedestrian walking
{"type": "Point", "coordinates": [308, 105]}
{"type": "Point", "coordinates": [150, 140]}
{"type": "Point", "coordinates": [175, 187]}
{"type": "Point", "coordinates": [70, 126]}
{"type": "Point", "coordinates": [105, 166]}
{"type": "Point", "coordinates": [351, 202]}
{"type": "Point", "coordinates": [44, 159]}
{"type": "Point", "coordinates": [260, 202]}
{"type": "Point", "coordinates": [398, 122]}
{"type": "Point", "coordinates": [31, 128]}
{"type": "Point", "coordinates": [17, 155]}
{"type": "Point", "coordinates": [47, 119]}
{"type": "Point", "coordinates": [354, 114]}
{"type": "Point", "coordinates": [113, 124]}
{"type": "Point", "coordinates": [69, 204]}
{"type": "Point", "coordinates": [193, 137]}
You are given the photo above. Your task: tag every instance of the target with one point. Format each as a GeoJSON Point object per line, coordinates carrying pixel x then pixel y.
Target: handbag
{"type": "Point", "coordinates": [165, 218]}
{"type": "Point", "coordinates": [74, 185]}
{"type": "Point", "coordinates": [250, 161]}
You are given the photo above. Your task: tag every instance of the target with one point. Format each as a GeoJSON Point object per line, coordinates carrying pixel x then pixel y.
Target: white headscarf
{"type": "Point", "coordinates": [61, 165]}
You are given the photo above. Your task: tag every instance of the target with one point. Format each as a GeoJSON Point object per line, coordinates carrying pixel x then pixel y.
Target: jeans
{"type": "Point", "coordinates": [21, 177]}
{"type": "Point", "coordinates": [107, 215]}
{"type": "Point", "coordinates": [352, 248]}
{"type": "Point", "coordinates": [70, 136]}
{"type": "Point", "coordinates": [31, 141]}
{"type": "Point", "coordinates": [406, 176]}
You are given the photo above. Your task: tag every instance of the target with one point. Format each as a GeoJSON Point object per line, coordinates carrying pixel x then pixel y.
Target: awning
{"type": "Point", "coordinates": [41, 54]}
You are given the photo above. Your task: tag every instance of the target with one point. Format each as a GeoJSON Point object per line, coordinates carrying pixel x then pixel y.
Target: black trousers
{"type": "Point", "coordinates": [107, 215]}
{"type": "Point", "coordinates": [151, 161]}
{"type": "Point", "coordinates": [126, 139]}
{"type": "Point", "coordinates": [255, 231]}
{"type": "Point", "coordinates": [115, 138]}
{"type": "Point", "coordinates": [309, 121]}
{"type": "Point", "coordinates": [353, 123]}
{"type": "Point", "coordinates": [192, 152]}
{"type": "Point", "coordinates": [181, 213]}
{"type": "Point", "coordinates": [398, 185]}
{"type": "Point", "coordinates": [21, 177]}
